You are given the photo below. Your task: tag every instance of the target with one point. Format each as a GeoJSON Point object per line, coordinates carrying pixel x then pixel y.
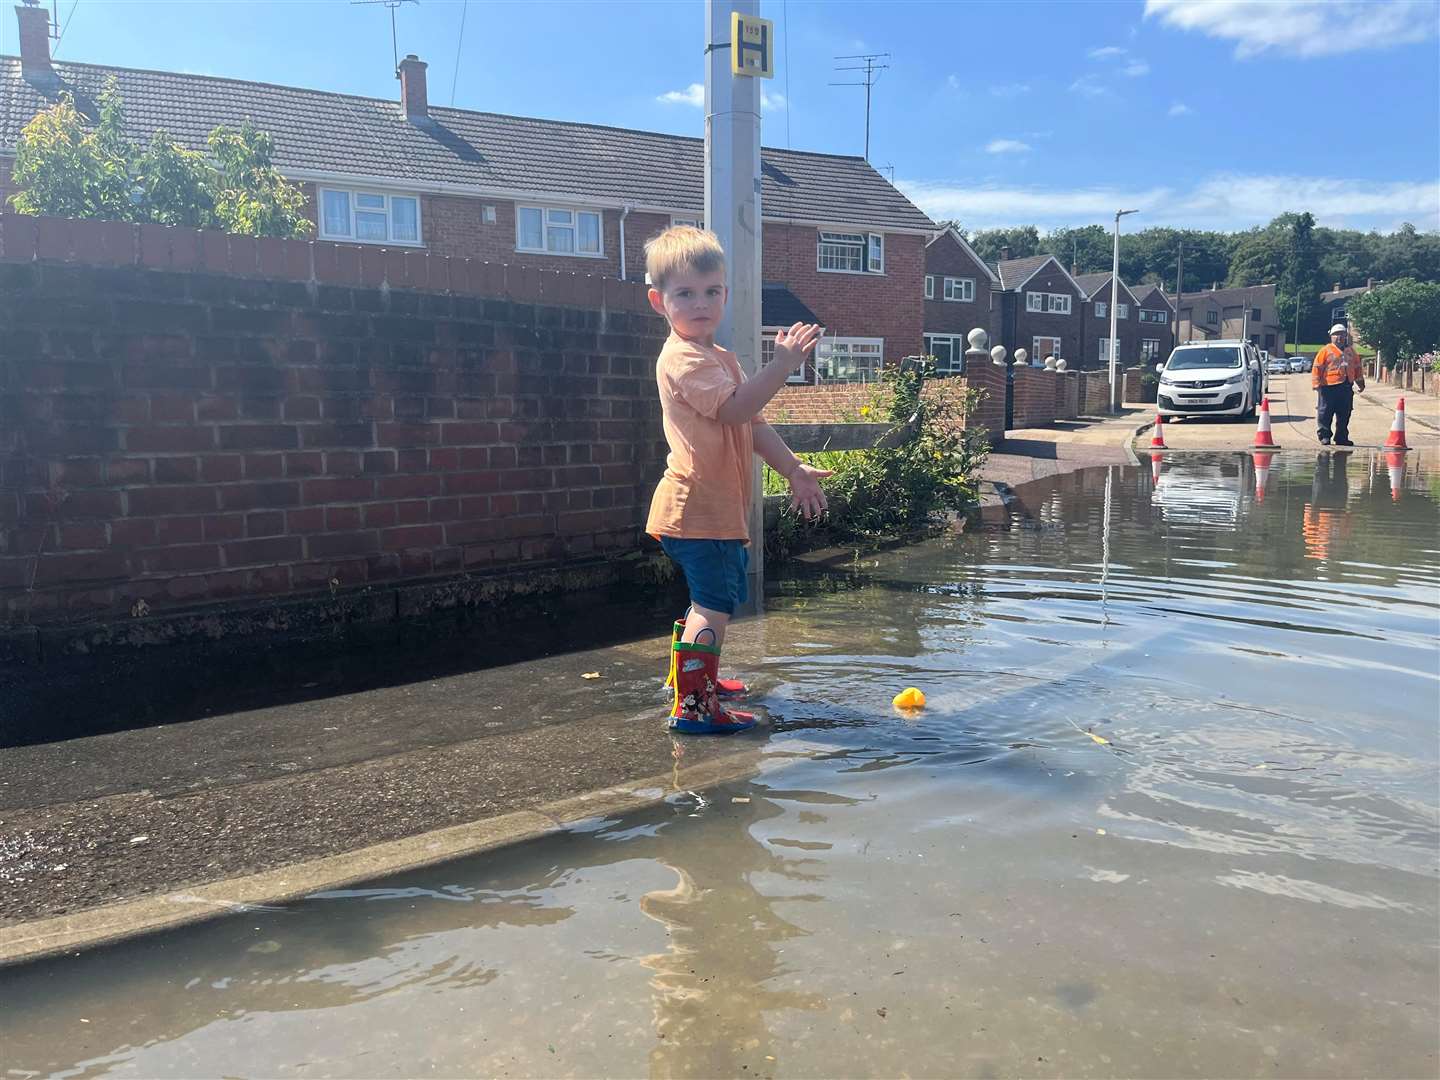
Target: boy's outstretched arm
{"type": "Point", "coordinates": [806, 495]}
{"type": "Point", "coordinates": [791, 348]}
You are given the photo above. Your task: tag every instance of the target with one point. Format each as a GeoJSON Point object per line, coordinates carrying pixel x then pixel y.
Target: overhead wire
{"type": "Point", "coordinates": [455, 79]}
{"type": "Point", "coordinates": [56, 50]}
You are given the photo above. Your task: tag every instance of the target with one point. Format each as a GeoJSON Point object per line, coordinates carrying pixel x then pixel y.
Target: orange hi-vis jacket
{"type": "Point", "coordinates": [1335, 366]}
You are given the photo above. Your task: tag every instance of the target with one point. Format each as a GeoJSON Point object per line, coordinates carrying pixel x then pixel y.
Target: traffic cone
{"type": "Point", "coordinates": [1262, 473]}
{"type": "Point", "coordinates": [1263, 439]}
{"type": "Point", "coordinates": [1155, 460]}
{"type": "Point", "coordinates": [1395, 463]}
{"type": "Point", "coordinates": [1157, 441]}
{"type": "Point", "coordinates": [1396, 439]}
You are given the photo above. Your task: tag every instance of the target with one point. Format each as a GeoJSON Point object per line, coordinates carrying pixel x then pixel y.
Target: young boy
{"type": "Point", "coordinates": [713, 426]}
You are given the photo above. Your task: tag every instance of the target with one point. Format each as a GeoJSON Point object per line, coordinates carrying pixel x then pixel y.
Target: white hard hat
{"type": "Point", "coordinates": [1339, 328]}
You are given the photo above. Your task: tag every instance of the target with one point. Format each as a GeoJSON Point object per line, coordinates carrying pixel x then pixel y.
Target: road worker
{"type": "Point", "coordinates": [1336, 375]}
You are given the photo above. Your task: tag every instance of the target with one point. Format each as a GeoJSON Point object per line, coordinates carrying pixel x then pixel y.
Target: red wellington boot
{"type": "Point", "coordinates": [726, 688]}
{"type": "Point", "coordinates": [697, 709]}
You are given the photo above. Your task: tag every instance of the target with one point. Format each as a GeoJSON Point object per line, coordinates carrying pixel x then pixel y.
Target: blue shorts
{"type": "Point", "coordinates": [715, 570]}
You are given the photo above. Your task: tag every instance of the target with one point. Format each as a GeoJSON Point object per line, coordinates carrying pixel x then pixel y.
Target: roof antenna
{"type": "Point", "coordinates": [870, 67]}
{"type": "Point", "coordinates": [394, 41]}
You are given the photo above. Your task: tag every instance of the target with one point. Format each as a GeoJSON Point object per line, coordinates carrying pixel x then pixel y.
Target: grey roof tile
{"type": "Point", "coordinates": [1015, 271]}
{"type": "Point", "coordinates": [319, 130]}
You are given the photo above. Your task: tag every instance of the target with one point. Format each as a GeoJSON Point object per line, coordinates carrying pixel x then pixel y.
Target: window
{"type": "Point", "coordinates": [849, 359]}
{"type": "Point", "coordinates": [961, 289]}
{"type": "Point", "coordinates": [949, 352]}
{"type": "Point", "coordinates": [767, 353]}
{"type": "Point", "coordinates": [1122, 311]}
{"type": "Point", "coordinates": [1255, 314]}
{"type": "Point", "coordinates": [1337, 314]}
{"type": "Point", "coordinates": [1255, 340]}
{"type": "Point", "coordinates": [1149, 349]}
{"type": "Point", "coordinates": [1269, 342]}
{"type": "Point", "coordinates": [929, 286]}
{"type": "Point", "coordinates": [1101, 309]}
{"type": "Point", "coordinates": [1212, 318]}
{"type": "Point", "coordinates": [692, 221]}
{"type": "Point", "coordinates": [850, 253]}
{"type": "Point", "coordinates": [1105, 351]}
{"type": "Point", "coordinates": [369, 217]}
{"type": "Point", "coordinates": [1161, 317]}
{"type": "Point", "coordinates": [1056, 303]}
{"type": "Point", "coordinates": [1042, 347]}
{"type": "Point", "coordinates": [557, 230]}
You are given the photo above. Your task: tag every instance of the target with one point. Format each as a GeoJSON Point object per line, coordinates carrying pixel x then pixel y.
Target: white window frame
{"type": "Point", "coordinates": [1122, 311]}
{"type": "Point", "coordinates": [929, 286]}
{"type": "Point", "coordinates": [825, 357]}
{"type": "Point", "coordinates": [1212, 318]}
{"type": "Point", "coordinates": [957, 352]}
{"type": "Point", "coordinates": [1105, 350]}
{"type": "Point", "coordinates": [546, 225]}
{"type": "Point", "coordinates": [1149, 349]}
{"type": "Point", "coordinates": [767, 355]}
{"type": "Point", "coordinates": [1047, 303]}
{"type": "Point", "coordinates": [1101, 309]}
{"type": "Point", "coordinates": [1038, 353]}
{"type": "Point", "coordinates": [352, 194]}
{"type": "Point", "coordinates": [868, 250]}
{"type": "Point", "coordinates": [697, 222]}
{"type": "Point", "coordinates": [1159, 318]}
{"type": "Point", "coordinates": [960, 286]}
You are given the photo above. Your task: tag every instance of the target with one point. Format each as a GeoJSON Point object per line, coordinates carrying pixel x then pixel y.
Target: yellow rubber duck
{"type": "Point", "coordinates": [909, 698]}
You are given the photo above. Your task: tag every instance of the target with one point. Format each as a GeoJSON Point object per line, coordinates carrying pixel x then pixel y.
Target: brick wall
{"type": "Point", "coordinates": [989, 380]}
{"type": "Point", "coordinates": [888, 305]}
{"type": "Point", "coordinates": [189, 417]}
{"type": "Point", "coordinates": [1094, 393]}
{"type": "Point", "coordinates": [1034, 397]}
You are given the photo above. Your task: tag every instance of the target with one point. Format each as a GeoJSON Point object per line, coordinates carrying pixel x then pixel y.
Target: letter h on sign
{"type": "Point", "coordinates": [751, 50]}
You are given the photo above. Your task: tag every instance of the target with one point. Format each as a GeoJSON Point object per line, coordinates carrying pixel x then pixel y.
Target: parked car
{"type": "Point", "coordinates": [1278, 365]}
{"type": "Point", "coordinates": [1301, 363]}
{"type": "Point", "coordinates": [1218, 378]}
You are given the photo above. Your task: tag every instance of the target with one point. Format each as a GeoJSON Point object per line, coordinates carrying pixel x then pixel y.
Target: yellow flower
{"type": "Point", "coordinates": [864, 410]}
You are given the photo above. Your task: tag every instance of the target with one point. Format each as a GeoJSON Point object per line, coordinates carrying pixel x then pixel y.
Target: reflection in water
{"type": "Point", "coordinates": [1170, 811]}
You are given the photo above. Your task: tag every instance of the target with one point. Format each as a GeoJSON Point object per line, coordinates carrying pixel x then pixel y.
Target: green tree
{"type": "Point", "coordinates": [1022, 241]}
{"type": "Point", "coordinates": [69, 168]}
{"type": "Point", "coordinates": [1089, 248]}
{"type": "Point", "coordinates": [1401, 319]}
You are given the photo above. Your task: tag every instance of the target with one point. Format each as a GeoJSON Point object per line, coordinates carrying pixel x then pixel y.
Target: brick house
{"type": "Point", "coordinates": [1095, 323]}
{"type": "Point", "coordinates": [1156, 326]}
{"type": "Point", "coordinates": [1039, 309]}
{"type": "Point", "coordinates": [845, 244]}
{"type": "Point", "coordinates": [961, 293]}
{"type": "Point", "coordinates": [1246, 312]}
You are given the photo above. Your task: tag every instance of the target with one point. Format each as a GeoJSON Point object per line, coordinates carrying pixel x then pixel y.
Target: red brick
{"type": "Point", "coordinates": [271, 549]}
{"type": "Point", "coordinates": [305, 464]}
{"type": "Point", "coordinates": [181, 559]}
{"type": "Point", "coordinates": [170, 439]}
{"type": "Point", "coordinates": [343, 463]}
{"type": "Point", "coordinates": [407, 487]}
{"type": "Point", "coordinates": [17, 237]}
{"type": "Point", "coordinates": [302, 408]}
{"type": "Point", "coordinates": [339, 545]}
{"type": "Point", "coordinates": [218, 468]}
{"type": "Point", "coordinates": [92, 566]}
{"type": "Point", "coordinates": [417, 536]}
{"type": "Point", "coordinates": [380, 515]}
{"type": "Point", "coordinates": [463, 433]}
{"type": "Point", "coordinates": [84, 537]}
{"type": "Point", "coordinates": [265, 466]}
{"type": "Point", "coordinates": [217, 408]}
{"type": "Point", "coordinates": [259, 437]}
{"type": "Point", "coordinates": [177, 470]}
{"type": "Point", "coordinates": [342, 518]}
{"type": "Point", "coordinates": [133, 532]}
{"type": "Point", "coordinates": [249, 496]}
{"type": "Point", "coordinates": [224, 526]}
{"type": "Point", "coordinates": [351, 489]}
{"type": "Point", "coordinates": [412, 512]}
{"type": "Point", "coordinates": [407, 435]}
{"type": "Point", "coordinates": [146, 502]}
{"type": "Point", "coordinates": [309, 519]}
{"type": "Point", "coordinates": [264, 523]}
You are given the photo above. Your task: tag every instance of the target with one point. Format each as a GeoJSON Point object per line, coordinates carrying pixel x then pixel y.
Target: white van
{"type": "Point", "coordinates": [1214, 378]}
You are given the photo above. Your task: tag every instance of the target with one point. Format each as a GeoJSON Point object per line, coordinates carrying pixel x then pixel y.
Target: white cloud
{"type": "Point", "coordinates": [1135, 68]}
{"type": "Point", "coordinates": [1010, 90]}
{"type": "Point", "coordinates": [1109, 52]}
{"type": "Point", "coordinates": [1180, 109]}
{"type": "Point", "coordinates": [1007, 146]}
{"type": "Point", "coordinates": [694, 94]}
{"type": "Point", "coordinates": [1088, 86]}
{"type": "Point", "coordinates": [952, 81]}
{"type": "Point", "coordinates": [769, 100]}
{"type": "Point", "coordinates": [1220, 201]}
{"type": "Point", "coordinates": [1305, 28]}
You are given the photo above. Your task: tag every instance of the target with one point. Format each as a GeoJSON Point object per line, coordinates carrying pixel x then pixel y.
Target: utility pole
{"type": "Point", "coordinates": [732, 211]}
{"type": "Point", "coordinates": [1179, 287]}
{"type": "Point", "coordinates": [869, 66]}
{"type": "Point", "coordinates": [1115, 296]}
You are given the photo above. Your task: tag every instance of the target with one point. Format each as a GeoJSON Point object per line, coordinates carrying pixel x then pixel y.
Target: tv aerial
{"type": "Point", "coordinates": [394, 37]}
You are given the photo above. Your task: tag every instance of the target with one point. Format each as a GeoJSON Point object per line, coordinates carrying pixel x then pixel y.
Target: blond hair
{"type": "Point", "coordinates": [682, 247]}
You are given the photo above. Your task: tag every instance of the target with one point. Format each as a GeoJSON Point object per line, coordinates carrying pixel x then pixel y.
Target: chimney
{"type": "Point", "coordinates": [1004, 254]}
{"type": "Point", "coordinates": [34, 42]}
{"type": "Point", "coordinates": [413, 96]}
{"type": "Point", "coordinates": [1214, 286]}
{"type": "Point", "coordinates": [1337, 287]}
{"type": "Point", "coordinates": [1369, 283]}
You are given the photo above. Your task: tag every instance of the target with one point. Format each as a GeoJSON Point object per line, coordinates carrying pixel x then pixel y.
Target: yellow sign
{"type": "Point", "coordinates": [752, 46]}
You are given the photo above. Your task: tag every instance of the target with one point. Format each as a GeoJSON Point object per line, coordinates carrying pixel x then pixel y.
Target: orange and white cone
{"type": "Point", "coordinates": [1155, 460]}
{"type": "Point", "coordinates": [1263, 439]}
{"type": "Point", "coordinates": [1396, 439]}
{"type": "Point", "coordinates": [1262, 473]}
{"type": "Point", "coordinates": [1157, 441]}
{"type": "Point", "coordinates": [1395, 464]}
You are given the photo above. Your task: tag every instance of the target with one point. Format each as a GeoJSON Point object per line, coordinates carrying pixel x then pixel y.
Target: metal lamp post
{"type": "Point", "coordinates": [1115, 296]}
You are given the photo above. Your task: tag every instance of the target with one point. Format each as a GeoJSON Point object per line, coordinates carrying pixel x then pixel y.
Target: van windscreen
{"type": "Point", "coordinates": [1213, 357]}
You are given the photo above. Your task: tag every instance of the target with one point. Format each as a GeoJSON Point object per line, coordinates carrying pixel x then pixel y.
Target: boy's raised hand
{"type": "Point", "coordinates": [793, 345]}
{"type": "Point", "coordinates": [806, 495]}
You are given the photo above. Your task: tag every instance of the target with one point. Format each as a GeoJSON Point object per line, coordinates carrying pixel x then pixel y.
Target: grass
{"type": "Point", "coordinates": [1294, 350]}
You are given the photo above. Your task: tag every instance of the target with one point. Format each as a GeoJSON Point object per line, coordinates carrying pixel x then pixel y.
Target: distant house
{"type": "Point", "coordinates": [1246, 312]}
{"type": "Point", "coordinates": [844, 244]}
{"type": "Point", "coordinates": [1335, 302]}
{"type": "Point", "coordinates": [1095, 322]}
{"type": "Point", "coordinates": [1156, 325]}
{"type": "Point", "coordinates": [1039, 308]}
{"type": "Point", "coordinates": [960, 294]}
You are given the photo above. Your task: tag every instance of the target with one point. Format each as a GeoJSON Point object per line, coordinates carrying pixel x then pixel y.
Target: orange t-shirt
{"type": "Point", "coordinates": [1335, 366]}
{"type": "Point", "coordinates": [705, 492]}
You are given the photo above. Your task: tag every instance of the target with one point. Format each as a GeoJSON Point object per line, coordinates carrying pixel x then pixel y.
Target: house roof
{"type": "Point", "coordinates": [964, 245]}
{"type": "Point", "coordinates": [1090, 284]}
{"type": "Point", "coordinates": [1343, 294]}
{"type": "Point", "coordinates": [1014, 273]}
{"type": "Point", "coordinates": [1238, 294]}
{"type": "Point", "coordinates": [322, 134]}
{"type": "Point", "coordinates": [780, 307]}
{"type": "Point", "coordinates": [1149, 292]}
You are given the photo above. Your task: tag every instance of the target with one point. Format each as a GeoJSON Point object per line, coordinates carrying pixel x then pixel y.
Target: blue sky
{"type": "Point", "coordinates": [1203, 113]}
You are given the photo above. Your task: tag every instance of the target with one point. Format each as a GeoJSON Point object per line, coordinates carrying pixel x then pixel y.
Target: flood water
{"type": "Point", "coordinates": [1171, 811]}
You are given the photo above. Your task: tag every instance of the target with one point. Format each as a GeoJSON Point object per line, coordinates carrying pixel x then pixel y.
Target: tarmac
{"type": "Point", "coordinates": [134, 831]}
